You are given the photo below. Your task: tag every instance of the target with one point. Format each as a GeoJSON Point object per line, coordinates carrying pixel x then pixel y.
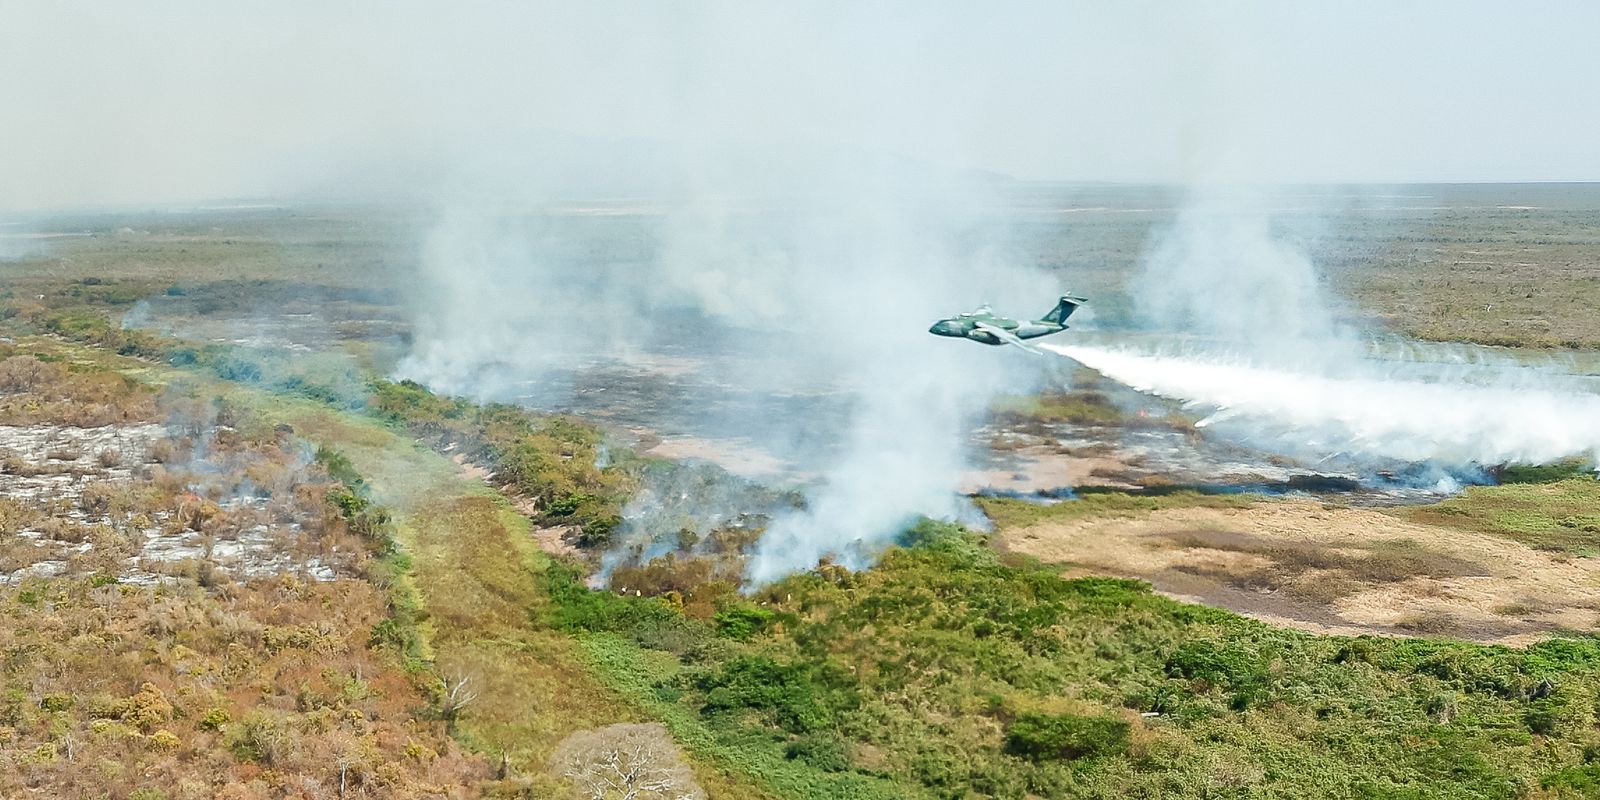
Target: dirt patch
{"type": "Point", "coordinates": [553, 539]}
{"type": "Point", "coordinates": [1314, 571]}
{"type": "Point", "coordinates": [1037, 469]}
{"type": "Point", "coordinates": [469, 469]}
{"type": "Point", "coordinates": [1333, 570]}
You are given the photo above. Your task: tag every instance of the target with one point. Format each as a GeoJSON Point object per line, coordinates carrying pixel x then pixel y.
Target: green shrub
{"type": "Point", "coordinates": [743, 621]}
{"type": "Point", "coordinates": [801, 697]}
{"type": "Point", "coordinates": [1104, 594]}
{"type": "Point", "coordinates": [940, 770]}
{"type": "Point", "coordinates": [1041, 737]}
{"type": "Point", "coordinates": [532, 470]}
{"type": "Point", "coordinates": [1582, 781]}
{"type": "Point", "coordinates": [234, 368]}
{"type": "Point", "coordinates": [1542, 717]}
{"type": "Point", "coordinates": [597, 532]}
{"type": "Point", "coordinates": [568, 504]}
{"type": "Point", "coordinates": [57, 702]}
{"type": "Point", "coordinates": [214, 719]}
{"type": "Point", "coordinates": [260, 737]}
{"type": "Point", "coordinates": [823, 751]}
{"type": "Point", "coordinates": [340, 468]}
{"type": "Point", "coordinates": [648, 621]}
{"type": "Point", "coordinates": [397, 633]}
{"type": "Point", "coordinates": [1215, 664]}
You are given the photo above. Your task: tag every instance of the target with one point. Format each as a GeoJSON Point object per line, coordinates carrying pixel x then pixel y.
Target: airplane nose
{"type": "Point", "coordinates": [940, 328]}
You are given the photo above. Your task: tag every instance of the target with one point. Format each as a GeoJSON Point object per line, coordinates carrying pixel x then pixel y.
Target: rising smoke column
{"type": "Point", "coordinates": [1221, 272]}
{"type": "Point", "coordinates": [856, 282]}
{"type": "Point", "coordinates": [830, 286]}
{"type": "Point", "coordinates": [901, 459]}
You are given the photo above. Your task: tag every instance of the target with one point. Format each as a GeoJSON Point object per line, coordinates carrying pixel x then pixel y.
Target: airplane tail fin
{"type": "Point", "coordinates": [1064, 308]}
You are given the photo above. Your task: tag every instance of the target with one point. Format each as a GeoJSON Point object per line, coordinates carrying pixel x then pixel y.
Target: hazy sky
{"type": "Point", "coordinates": [105, 102]}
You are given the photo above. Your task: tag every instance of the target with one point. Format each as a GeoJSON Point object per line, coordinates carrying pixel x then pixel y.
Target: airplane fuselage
{"type": "Point", "coordinates": [985, 327]}
{"type": "Point", "coordinates": [966, 327]}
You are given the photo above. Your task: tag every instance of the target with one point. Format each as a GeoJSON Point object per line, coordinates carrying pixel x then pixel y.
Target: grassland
{"type": "Point", "coordinates": [956, 672]}
{"type": "Point", "coordinates": [464, 588]}
{"type": "Point", "coordinates": [1008, 512]}
{"type": "Point", "coordinates": [1492, 264]}
{"type": "Point", "coordinates": [951, 669]}
{"type": "Point", "coordinates": [1562, 516]}
{"type": "Point", "coordinates": [156, 673]}
{"type": "Point", "coordinates": [259, 689]}
{"type": "Point", "coordinates": [946, 671]}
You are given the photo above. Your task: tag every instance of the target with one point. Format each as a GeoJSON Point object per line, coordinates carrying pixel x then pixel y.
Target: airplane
{"type": "Point", "coordinates": [981, 325]}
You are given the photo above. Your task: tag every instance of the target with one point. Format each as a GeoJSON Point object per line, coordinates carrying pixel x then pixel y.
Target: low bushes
{"type": "Point", "coordinates": [1038, 737]}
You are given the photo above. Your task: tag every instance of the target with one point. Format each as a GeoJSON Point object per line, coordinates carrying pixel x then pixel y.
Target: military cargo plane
{"type": "Point", "coordinates": [982, 325]}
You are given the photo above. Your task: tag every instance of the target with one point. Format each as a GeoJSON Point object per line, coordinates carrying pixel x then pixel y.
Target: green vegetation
{"type": "Point", "coordinates": [472, 592]}
{"type": "Point", "coordinates": [954, 671]}
{"type": "Point", "coordinates": [1065, 737]}
{"type": "Point", "coordinates": [1562, 516]}
{"type": "Point", "coordinates": [553, 462]}
{"type": "Point", "coordinates": [1547, 473]}
{"type": "Point", "coordinates": [949, 670]}
{"type": "Point", "coordinates": [1083, 407]}
{"type": "Point", "coordinates": [1091, 503]}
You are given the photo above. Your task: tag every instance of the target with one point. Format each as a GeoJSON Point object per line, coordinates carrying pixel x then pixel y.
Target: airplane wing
{"type": "Point", "coordinates": [1007, 336]}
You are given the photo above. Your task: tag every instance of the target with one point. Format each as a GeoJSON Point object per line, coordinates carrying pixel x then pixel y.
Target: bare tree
{"type": "Point", "coordinates": [349, 758]}
{"type": "Point", "coordinates": [457, 691]}
{"type": "Point", "coordinates": [626, 761]}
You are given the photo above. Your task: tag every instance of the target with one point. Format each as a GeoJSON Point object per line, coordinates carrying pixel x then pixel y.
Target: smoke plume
{"type": "Point", "coordinates": [1249, 336]}
{"type": "Point", "coordinates": [792, 321]}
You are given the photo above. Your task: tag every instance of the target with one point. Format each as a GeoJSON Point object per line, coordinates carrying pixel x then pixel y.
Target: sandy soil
{"type": "Point", "coordinates": [553, 540]}
{"type": "Point", "coordinates": [1512, 594]}
{"type": "Point", "coordinates": [1043, 469]}
{"type": "Point", "coordinates": [469, 469]}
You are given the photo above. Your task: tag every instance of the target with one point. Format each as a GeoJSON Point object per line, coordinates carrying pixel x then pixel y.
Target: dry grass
{"type": "Point", "coordinates": [1429, 623]}
{"type": "Point", "coordinates": [35, 392]}
{"type": "Point", "coordinates": [1315, 572]}
{"type": "Point", "coordinates": [1326, 569]}
{"type": "Point", "coordinates": [231, 694]}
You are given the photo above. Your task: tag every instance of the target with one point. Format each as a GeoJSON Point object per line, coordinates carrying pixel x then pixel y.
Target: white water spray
{"type": "Point", "coordinates": [1485, 413]}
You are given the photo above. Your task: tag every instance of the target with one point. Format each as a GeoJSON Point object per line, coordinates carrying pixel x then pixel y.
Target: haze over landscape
{"type": "Point", "coordinates": [494, 400]}
{"type": "Point", "coordinates": [184, 101]}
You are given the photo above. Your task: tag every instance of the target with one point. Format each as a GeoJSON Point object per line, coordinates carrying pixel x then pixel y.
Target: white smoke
{"type": "Point", "coordinates": [1220, 271]}
{"type": "Point", "coordinates": [824, 290]}
{"type": "Point", "coordinates": [1250, 337]}
{"type": "Point", "coordinates": [902, 460]}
